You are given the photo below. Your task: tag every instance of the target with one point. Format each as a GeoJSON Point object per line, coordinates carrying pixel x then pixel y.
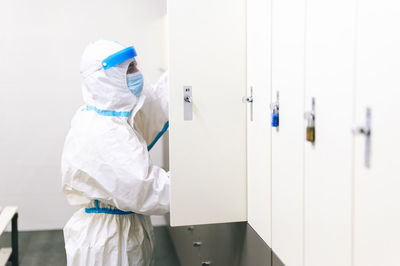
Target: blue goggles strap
{"type": "Point", "coordinates": [118, 57]}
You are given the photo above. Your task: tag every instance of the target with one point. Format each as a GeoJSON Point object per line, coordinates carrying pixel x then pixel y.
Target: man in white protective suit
{"type": "Point", "coordinates": [106, 168]}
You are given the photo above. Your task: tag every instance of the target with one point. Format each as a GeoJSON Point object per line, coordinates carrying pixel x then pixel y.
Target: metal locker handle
{"type": "Point", "coordinates": [197, 244]}
{"type": "Point", "coordinates": [366, 131]}
{"type": "Point", "coordinates": [190, 228]}
{"type": "Point", "coordinates": [249, 100]}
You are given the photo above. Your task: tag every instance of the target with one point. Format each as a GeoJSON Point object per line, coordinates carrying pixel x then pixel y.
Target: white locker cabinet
{"type": "Point", "coordinates": [258, 125]}
{"type": "Point", "coordinates": [330, 27]}
{"type": "Point", "coordinates": [313, 204]}
{"type": "Point", "coordinates": [288, 142]}
{"type": "Point", "coordinates": [377, 189]}
{"type": "Point", "coordinates": [207, 50]}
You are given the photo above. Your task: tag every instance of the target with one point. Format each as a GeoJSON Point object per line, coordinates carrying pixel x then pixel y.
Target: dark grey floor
{"type": "Point", "coordinates": [47, 248]}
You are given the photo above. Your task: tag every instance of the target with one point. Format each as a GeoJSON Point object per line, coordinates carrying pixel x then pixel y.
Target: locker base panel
{"type": "Point", "coordinates": [229, 244]}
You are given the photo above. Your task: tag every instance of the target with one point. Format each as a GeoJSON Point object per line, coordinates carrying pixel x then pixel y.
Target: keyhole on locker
{"type": "Point", "coordinates": [188, 99]}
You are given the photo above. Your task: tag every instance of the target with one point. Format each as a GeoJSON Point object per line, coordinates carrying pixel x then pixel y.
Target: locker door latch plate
{"type": "Point", "coordinates": [187, 103]}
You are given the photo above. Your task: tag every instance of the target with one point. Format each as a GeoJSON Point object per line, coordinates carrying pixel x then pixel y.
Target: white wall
{"type": "Point", "coordinates": [41, 43]}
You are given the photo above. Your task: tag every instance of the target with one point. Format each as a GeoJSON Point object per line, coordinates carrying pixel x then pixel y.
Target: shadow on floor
{"type": "Point", "coordinates": [40, 248]}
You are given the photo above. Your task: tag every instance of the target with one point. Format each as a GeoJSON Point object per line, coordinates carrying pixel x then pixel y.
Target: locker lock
{"type": "Point", "coordinates": [275, 112]}
{"type": "Point", "coordinates": [187, 103]}
{"type": "Point", "coordinates": [310, 118]}
{"type": "Point", "coordinates": [188, 99]}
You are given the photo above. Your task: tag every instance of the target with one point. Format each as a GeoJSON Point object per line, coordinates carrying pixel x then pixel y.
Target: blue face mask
{"type": "Point", "coordinates": [135, 83]}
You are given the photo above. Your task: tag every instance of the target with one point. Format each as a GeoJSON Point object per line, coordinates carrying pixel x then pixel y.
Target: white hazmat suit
{"type": "Point", "coordinates": [106, 168]}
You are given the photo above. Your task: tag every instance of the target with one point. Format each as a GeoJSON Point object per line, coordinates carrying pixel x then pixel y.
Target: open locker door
{"type": "Point", "coordinates": [208, 139]}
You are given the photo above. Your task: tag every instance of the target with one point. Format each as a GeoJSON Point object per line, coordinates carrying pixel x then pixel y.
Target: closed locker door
{"type": "Point", "coordinates": [288, 140]}
{"type": "Point", "coordinates": [207, 54]}
{"type": "Point", "coordinates": [330, 34]}
{"type": "Point", "coordinates": [328, 161]}
{"type": "Point", "coordinates": [259, 130]}
{"type": "Point", "coordinates": [377, 187]}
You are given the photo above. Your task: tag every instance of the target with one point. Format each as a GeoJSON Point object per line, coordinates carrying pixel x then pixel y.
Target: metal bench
{"type": "Point", "coordinates": [7, 215]}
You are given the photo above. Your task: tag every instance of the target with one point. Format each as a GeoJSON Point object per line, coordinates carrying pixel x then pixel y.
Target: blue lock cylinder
{"type": "Point", "coordinates": [275, 112]}
{"type": "Point", "coordinates": [275, 120]}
